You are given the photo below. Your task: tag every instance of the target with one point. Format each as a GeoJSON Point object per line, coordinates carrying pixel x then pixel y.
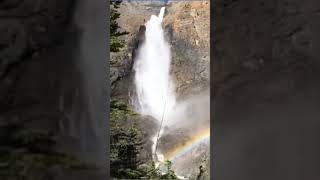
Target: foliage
{"type": "Point", "coordinates": [153, 172]}
{"type": "Point", "coordinates": [24, 153]}
{"type": "Point", "coordinates": [170, 173]}
{"type": "Point", "coordinates": [115, 43]}
{"type": "Point", "coordinates": [125, 146]}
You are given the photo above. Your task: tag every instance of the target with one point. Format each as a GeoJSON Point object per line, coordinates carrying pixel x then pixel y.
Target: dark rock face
{"type": "Point", "coordinates": [51, 80]}
{"type": "Point", "coordinates": [265, 86]}
{"type": "Point", "coordinates": [121, 67]}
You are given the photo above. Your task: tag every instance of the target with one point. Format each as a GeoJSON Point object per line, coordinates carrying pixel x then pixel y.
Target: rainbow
{"type": "Point", "coordinates": [188, 146]}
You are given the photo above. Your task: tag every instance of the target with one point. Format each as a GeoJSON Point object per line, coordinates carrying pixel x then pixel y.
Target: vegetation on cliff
{"type": "Point", "coordinates": [126, 137]}
{"type": "Point", "coordinates": [115, 43]}
{"type": "Point", "coordinates": [125, 145]}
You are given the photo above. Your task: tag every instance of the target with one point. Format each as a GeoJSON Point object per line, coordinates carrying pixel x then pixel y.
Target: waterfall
{"type": "Point", "coordinates": [154, 86]}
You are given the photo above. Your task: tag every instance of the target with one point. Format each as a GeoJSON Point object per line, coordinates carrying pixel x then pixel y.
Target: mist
{"type": "Point", "coordinates": [155, 89]}
{"type": "Point", "coordinates": [154, 86]}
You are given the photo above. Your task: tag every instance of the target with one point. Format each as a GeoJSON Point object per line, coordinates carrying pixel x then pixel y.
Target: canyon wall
{"type": "Point", "coordinates": [187, 29]}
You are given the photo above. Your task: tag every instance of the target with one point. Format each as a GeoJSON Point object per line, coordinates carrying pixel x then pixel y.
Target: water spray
{"type": "Point", "coordinates": [161, 123]}
{"type": "Point", "coordinates": [152, 76]}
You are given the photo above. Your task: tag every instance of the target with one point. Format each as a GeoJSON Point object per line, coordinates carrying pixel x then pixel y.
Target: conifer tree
{"type": "Point", "coordinates": [170, 173]}
{"type": "Point", "coordinates": [115, 43]}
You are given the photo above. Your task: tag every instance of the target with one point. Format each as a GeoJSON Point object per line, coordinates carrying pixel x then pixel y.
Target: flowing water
{"type": "Point", "coordinates": [156, 96]}
{"type": "Point", "coordinates": [154, 86]}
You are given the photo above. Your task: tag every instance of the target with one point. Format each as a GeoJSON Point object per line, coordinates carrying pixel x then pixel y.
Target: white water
{"type": "Point", "coordinates": [154, 86]}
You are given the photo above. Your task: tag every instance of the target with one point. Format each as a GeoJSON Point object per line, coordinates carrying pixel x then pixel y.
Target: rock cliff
{"type": "Point", "coordinates": [187, 29]}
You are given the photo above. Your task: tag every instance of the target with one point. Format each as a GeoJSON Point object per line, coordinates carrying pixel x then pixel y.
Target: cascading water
{"type": "Point", "coordinates": [154, 86]}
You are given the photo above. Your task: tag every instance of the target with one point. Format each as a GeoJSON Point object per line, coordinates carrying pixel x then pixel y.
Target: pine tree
{"type": "Point", "coordinates": [170, 173]}
{"type": "Point", "coordinates": [115, 43]}
{"type": "Point", "coordinates": [125, 145]}
{"type": "Point", "coordinates": [153, 172]}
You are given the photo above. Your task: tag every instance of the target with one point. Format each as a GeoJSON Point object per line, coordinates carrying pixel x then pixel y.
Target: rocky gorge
{"type": "Point", "coordinates": [264, 81]}
{"type": "Point", "coordinates": [187, 29]}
